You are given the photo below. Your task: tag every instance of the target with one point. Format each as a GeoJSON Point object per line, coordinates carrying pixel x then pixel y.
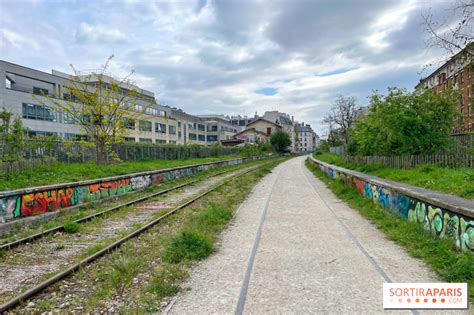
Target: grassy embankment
{"type": "Point", "coordinates": [439, 254]}
{"type": "Point", "coordinates": [62, 172]}
{"type": "Point", "coordinates": [148, 269]}
{"type": "Point", "coordinates": [457, 181]}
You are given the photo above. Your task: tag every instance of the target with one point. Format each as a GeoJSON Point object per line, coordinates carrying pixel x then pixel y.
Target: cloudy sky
{"type": "Point", "coordinates": [231, 57]}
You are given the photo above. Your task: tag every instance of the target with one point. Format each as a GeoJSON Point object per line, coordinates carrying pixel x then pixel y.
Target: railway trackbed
{"type": "Point", "coordinates": [29, 262]}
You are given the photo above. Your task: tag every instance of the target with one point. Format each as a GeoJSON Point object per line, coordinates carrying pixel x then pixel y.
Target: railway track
{"type": "Point", "coordinates": [72, 267]}
{"type": "Point", "coordinates": [61, 228]}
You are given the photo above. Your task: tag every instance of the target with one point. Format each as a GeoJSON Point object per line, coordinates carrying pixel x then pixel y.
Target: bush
{"type": "Point", "coordinates": [280, 141]}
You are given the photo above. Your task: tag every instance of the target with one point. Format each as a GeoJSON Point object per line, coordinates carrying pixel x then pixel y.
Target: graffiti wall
{"type": "Point", "coordinates": [439, 221]}
{"type": "Point", "coordinates": [40, 200]}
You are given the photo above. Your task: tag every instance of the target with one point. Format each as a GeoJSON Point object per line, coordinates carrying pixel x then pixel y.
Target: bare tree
{"type": "Point", "coordinates": [101, 105]}
{"type": "Point", "coordinates": [452, 37]}
{"type": "Point", "coordinates": [342, 118]}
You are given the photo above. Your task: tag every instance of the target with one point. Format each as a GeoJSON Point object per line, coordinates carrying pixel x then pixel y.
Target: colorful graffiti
{"type": "Point", "coordinates": [39, 201]}
{"type": "Point", "coordinates": [441, 222]}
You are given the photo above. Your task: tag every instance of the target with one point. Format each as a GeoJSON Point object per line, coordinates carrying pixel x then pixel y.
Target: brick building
{"type": "Point", "coordinates": [458, 73]}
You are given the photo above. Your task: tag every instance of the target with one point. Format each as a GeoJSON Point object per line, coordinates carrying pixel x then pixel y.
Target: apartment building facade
{"type": "Point", "coordinates": [457, 73]}
{"type": "Point", "coordinates": [219, 128]}
{"type": "Point", "coordinates": [306, 139]}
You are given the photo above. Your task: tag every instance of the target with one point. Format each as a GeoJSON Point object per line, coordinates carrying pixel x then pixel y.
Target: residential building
{"type": "Point", "coordinates": [306, 139]}
{"type": "Point", "coordinates": [24, 91]}
{"type": "Point", "coordinates": [219, 128]}
{"type": "Point", "coordinates": [458, 73]}
{"type": "Point", "coordinates": [257, 131]}
{"type": "Point", "coordinates": [285, 121]}
{"type": "Point", "coordinates": [190, 129]}
{"type": "Point", "coordinates": [242, 121]}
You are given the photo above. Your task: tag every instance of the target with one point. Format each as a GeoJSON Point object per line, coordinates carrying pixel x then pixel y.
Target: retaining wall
{"type": "Point", "coordinates": [442, 214]}
{"type": "Point", "coordinates": [31, 201]}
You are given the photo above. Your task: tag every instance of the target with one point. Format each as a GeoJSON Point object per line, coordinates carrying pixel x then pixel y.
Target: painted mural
{"type": "Point", "coordinates": [40, 201]}
{"type": "Point", "coordinates": [439, 221]}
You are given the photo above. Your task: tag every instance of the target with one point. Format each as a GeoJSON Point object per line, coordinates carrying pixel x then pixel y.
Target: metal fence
{"type": "Point", "coordinates": [40, 152]}
{"type": "Point", "coordinates": [411, 161]}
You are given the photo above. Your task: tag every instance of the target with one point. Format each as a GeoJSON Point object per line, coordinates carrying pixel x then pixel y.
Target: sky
{"type": "Point", "coordinates": [232, 57]}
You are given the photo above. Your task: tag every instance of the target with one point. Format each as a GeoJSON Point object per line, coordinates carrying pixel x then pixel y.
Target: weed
{"type": "Point", "coordinates": [71, 227]}
{"type": "Point", "coordinates": [123, 271]}
{"type": "Point", "coordinates": [164, 281]}
{"type": "Point", "coordinates": [188, 245]}
{"type": "Point", "coordinates": [45, 305]}
{"type": "Point", "coordinates": [58, 247]}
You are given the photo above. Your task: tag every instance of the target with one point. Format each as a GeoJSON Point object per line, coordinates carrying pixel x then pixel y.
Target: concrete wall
{"type": "Point", "coordinates": [37, 200]}
{"type": "Point", "coordinates": [444, 215]}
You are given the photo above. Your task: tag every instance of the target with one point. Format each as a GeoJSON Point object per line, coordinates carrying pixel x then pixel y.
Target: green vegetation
{"type": "Point", "coordinates": [452, 181]}
{"type": "Point", "coordinates": [439, 254]}
{"type": "Point", "coordinates": [71, 227]}
{"type": "Point", "coordinates": [62, 172]}
{"type": "Point", "coordinates": [11, 137]}
{"type": "Point", "coordinates": [403, 123]}
{"type": "Point", "coordinates": [188, 245]}
{"type": "Point", "coordinates": [280, 141]}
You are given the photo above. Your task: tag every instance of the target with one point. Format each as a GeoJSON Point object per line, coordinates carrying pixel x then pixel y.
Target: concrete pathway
{"type": "Point", "coordinates": [315, 255]}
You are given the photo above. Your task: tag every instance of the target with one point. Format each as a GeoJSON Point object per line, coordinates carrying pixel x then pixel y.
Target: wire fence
{"type": "Point", "coordinates": [411, 161]}
{"type": "Point", "coordinates": [41, 152]}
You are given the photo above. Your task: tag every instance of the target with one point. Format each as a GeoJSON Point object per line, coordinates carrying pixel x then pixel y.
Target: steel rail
{"type": "Point", "coordinates": [108, 249]}
{"type": "Point", "coordinates": [59, 228]}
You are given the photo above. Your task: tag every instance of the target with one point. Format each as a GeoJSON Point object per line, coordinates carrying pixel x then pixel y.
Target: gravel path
{"type": "Point", "coordinates": [306, 261]}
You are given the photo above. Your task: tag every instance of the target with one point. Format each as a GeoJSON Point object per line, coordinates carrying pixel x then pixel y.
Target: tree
{"type": "Point", "coordinates": [11, 137]}
{"type": "Point", "coordinates": [280, 141]}
{"type": "Point", "coordinates": [452, 37]}
{"type": "Point", "coordinates": [406, 123]}
{"type": "Point", "coordinates": [342, 117]}
{"type": "Point", "coordinates": [101, 106]}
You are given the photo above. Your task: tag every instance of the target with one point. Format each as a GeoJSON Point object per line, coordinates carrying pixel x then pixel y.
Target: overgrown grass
{"type": "Point", "coordinates": [452, 181]}
{"type": "Point", "coordinates": [62, 172]}
{"type": "Point", "coordinates": [439, 254]}
{"type": "Point", "coordinates": [71, 227]}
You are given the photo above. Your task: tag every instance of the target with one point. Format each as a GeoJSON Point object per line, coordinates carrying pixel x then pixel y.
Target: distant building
{"type": "Point", "coordinates": [306, 139]}
{"type": "Point", "coordinates": [219, 128]}
{"type": "Point", "coordinates": [242, 121]}
{"type": "Point", "coordinates": [458, 73]}
{"type": "Point", "coordinates": [285, 121]}
{"type": "Point", "coordinates": [257, 131]}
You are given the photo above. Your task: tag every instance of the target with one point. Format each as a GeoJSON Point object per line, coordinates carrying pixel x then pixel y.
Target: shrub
{"type": "Point", "coordinates": [188, 245]}
{"type": "Point", "coordinates": [71, 227]}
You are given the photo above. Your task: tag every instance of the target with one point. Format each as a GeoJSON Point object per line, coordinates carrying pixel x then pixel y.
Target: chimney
{"type": "Point", "coordinates": [293, 118]}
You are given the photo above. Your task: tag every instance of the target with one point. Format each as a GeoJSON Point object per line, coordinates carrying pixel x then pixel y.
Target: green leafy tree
{"type": "Point", "coordinates": [101, 106]}
{"type": "Point", "coordinates": [280, 141]}
{"type": "Point", "coordinates": [406, 123]}
{"type": "Point", "coordinates": [11, 137]}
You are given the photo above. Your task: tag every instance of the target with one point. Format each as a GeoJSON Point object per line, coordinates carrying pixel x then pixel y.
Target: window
{"type": "Point", "coordinates": [160, 141]}
{"type": "Point", "coordinates": [201, 138]}
{"type": "Point", "coordinates": [161, 128]}
{"type": "Point", "coordinates": [201, 127]}
{"type": "Point", "coordinates": [68, 118]}
{"type": "Point", "coordinates": [211, 138]}
{"type": "Point", "coordinates": [8, 83]}
{"type": "Point", "coordinates": [214, 128]}
{"type": "Point", "coordinates": [269, 130]}
{"type": "Point", "coordinates": [145, 140]}
{"type": "Point", "coordinates": [192, 136]}
{"type": "Point", "coordinates": [38, 112]}
{"type": "Point", "coordinates": [190, 126]}
{"type": "Point", "coordinates": [39, 91]}
{"type": "Point", "coordinates": [172, 142]}
{"type": "Point", "coordinates": [179, 134]}
{"type": "Point", "coordinates": [179, 124]}
{"type": "Point", "coordinates": [129, 139]}
{"type": "Point", "coordinates": [172, 130]}
{"type": "Point", "coordinates": [145, 125]}
{"type": "Point", "coordinates": [129, 123]}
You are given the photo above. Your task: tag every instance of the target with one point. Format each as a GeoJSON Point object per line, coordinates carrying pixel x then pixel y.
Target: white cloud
{"type": "Point", "coordinates": [100, 33]}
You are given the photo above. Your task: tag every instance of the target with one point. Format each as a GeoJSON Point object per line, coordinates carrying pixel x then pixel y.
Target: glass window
{"type": "Point", "coordinates": [145, 140]}
{"type": "Point", "coordinates": [211, 138]}
{"type": "Point", "coordinates": [192, 136]}
{"type": "Point", "coordinates": [201, 138]}
{"type": "Point", "coordinates": [129, 123]}
{"type": "Point", "coordinates": [38, 112]}
{"type": "Point", "coordinates": [161, 128]}
{"type": "Point", "coordinates": [201, 127]}
{"type": "Point", "coordinates": [145, 125]}
{"type": "Point", "coordinates": [172, 130]}
{"type": "Point", "coordinates": [160, 141]}
{"type": "Point", "coordinates": [39, 91]}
